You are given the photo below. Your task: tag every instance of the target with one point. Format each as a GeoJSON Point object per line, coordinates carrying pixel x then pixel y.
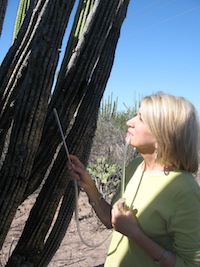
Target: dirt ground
{"type": "Point", "coordinates": [72, 252]}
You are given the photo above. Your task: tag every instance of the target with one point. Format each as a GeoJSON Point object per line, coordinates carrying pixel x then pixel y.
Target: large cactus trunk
{"type": "Point", "coordinates": [29, 124]}
{"type": "Point", "coordinates": [3, 6]}
{"type": "Point", "coordinates": [26, 78]}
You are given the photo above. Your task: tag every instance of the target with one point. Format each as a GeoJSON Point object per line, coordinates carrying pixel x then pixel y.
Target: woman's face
{"type": "Point", "coordinates": [139, 135]}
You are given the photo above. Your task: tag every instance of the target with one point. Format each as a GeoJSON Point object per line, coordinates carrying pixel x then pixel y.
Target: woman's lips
{"type": "Point", "coordinates": [129, 135]}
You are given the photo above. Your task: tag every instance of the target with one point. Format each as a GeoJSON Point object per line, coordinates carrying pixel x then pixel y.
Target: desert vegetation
{"type": "Point", "coordinates": [107, 152]}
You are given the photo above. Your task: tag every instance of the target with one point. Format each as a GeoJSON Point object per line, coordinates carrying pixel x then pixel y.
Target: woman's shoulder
{"type": "Point", "coordinates": [183, 177]}
{"type": "Point", "coordinates": [183, 182]}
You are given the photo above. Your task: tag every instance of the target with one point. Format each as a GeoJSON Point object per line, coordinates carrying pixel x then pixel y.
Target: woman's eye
{"type": "Point", "coordinates": [140, 116]}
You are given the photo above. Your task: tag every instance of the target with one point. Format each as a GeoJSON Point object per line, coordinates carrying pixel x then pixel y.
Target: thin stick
{"type": "Point", "coordinates": [62, 134]}
{"type": "Point", "coordinates": [75, 188]}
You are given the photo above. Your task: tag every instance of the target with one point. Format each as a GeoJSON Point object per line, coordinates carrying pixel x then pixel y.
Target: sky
{"type": "Point", "coordinates": [158, 50]}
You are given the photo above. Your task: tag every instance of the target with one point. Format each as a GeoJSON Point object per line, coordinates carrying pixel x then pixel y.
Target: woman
{"type": "Point", "coordinates": [160, 221]}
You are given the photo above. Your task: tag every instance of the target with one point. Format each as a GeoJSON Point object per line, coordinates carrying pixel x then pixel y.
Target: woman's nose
{"type": "Point", "coordinates": [130, 122]}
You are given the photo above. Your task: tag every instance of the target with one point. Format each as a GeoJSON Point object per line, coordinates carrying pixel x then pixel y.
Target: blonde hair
{"type": "Point", "coordinates": [175, 124]}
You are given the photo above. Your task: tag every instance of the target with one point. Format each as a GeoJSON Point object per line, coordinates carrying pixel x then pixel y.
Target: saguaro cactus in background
{"type": "Point", "coordinates": [108, 107]}
{"type": "Point", "coordinates": [29, 136]}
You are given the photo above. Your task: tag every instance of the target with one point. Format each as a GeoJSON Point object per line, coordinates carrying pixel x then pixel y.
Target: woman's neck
{"type": "Point", "coordinates": [151, 167]}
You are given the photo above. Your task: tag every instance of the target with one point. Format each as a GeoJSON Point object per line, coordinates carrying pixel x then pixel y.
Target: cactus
{"type": "Point", "coordinates": [26, 77]}
{"type": "Point", "coordinates": [3, 7]}
{"type": "Point", "coordinates": [108, 108]}
{"type": "Point", "coordinates": [83, 9]}
{"type": "Point", "coordinates": [104, 175]}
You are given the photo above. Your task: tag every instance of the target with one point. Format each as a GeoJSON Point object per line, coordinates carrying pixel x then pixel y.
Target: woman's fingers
{"type": "Point", "coordinates": [75, 166]}
{"type": "Point", "coordinates": [72, 175]}
{"type": "Point", "coordinates": [76, 162]}
{"type": "Point", "coordinates": [77, 171]}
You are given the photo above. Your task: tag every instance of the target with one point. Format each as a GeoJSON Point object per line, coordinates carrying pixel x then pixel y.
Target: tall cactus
{"type": "Point", "coordinates": [32, 57]}
{"type": "Point", "coordinates": [108, 108]}
{"type": "Point", "coordinates": [3, 6]}
{"type": "Point", "coordinates": [26, 78]}
{"type": "Point", "coordinates": [83, 9]}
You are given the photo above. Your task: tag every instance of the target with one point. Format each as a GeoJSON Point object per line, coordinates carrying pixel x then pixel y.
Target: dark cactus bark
{"type": "Point", "coordinates": [26, 77]}
{"type": "Point", "coordinates": [3, 6]}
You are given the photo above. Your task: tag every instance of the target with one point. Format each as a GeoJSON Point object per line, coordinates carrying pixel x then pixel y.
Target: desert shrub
{"type": "Point", "coordinates": [108, 149]}
{"type": "Point", "coordinates": [107, 177]}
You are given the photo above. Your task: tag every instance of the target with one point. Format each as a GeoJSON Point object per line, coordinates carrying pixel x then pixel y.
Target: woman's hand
{"type": "Point", "coordinates": [77, 171]}
{"type": "Point", "coordinates": [124, 221]}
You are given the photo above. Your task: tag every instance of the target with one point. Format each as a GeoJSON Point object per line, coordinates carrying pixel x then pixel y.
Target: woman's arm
{"type": "Point", "coordinates": [77, 171]}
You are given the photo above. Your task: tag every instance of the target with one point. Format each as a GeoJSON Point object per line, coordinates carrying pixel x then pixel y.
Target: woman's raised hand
{"type": "Point", "coordinates": [77, 171]}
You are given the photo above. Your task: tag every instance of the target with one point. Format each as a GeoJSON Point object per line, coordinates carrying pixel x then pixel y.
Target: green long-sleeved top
{"type": "Point", "coordinates": [168, 211]}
